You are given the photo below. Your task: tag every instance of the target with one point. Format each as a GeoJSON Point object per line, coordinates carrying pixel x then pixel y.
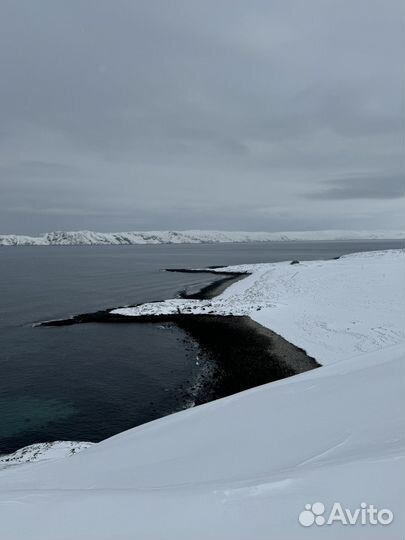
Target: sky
{"type": "Point", "coordinates": [267, 115]}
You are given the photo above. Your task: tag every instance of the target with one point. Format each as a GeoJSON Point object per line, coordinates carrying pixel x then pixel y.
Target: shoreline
{"type": "Point", "coordinates": [215, 288]}
{"type": "Point", "coordinates": [240, 353]}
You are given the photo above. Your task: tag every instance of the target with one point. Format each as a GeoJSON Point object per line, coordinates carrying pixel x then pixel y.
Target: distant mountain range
{"type": "Point", "coordinates": [75, 238]}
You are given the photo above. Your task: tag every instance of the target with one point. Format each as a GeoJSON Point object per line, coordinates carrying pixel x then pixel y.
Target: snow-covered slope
{"type": "Point", "coordinates": [246, 466]}
{"type": "Point", "coordinates": [186, 237]}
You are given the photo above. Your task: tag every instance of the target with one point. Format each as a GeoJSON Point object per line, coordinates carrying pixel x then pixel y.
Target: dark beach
{"type": "Point", "coordinates": [238, 353]}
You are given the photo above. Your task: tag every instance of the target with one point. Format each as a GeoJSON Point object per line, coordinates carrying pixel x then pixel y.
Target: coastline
{"type": "Point", "coordinates": [241, 353]}
{"type": "Point", "coordinates": [244, 353]}
{"type": "Point", "coordinates": [214, 288]}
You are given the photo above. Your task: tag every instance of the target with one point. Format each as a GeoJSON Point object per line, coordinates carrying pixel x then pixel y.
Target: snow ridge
{"type": "Point", "coordinates": [188, 237]}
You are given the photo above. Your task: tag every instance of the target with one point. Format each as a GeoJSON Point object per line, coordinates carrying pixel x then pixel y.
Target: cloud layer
{"type": "Point", "coordinates": [225, 114]}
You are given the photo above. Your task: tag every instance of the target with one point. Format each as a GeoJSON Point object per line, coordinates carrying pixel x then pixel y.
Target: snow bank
{"type": "Point", "coordinates": [187, 237]}
{"type": "Point", "coordinates": [244, 467]}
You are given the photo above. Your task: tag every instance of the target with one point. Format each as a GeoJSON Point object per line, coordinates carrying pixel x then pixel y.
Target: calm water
{"type": "Point", "coordinates": [87, 382]}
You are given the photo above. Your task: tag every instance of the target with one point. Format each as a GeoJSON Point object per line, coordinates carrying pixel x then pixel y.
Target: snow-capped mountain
{"type": "Point", "coordinates": [187, 237]}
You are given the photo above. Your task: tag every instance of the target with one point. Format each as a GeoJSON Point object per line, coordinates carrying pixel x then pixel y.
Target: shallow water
{"type": "Point", "coordinates": [88, 382]}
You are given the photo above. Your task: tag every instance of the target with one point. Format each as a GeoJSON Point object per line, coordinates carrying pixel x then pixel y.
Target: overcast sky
{"type": "Point", "coordinates": [213, 114]}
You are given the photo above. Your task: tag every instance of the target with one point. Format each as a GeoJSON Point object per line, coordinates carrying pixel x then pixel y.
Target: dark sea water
{"type": "Point", "coordinates": [88, 382]}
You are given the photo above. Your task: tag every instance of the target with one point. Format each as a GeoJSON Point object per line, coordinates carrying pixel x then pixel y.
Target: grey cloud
{"type": "Point", "coordinates": [381, 187]}
{"type": "Point", "coordinates": [26, 169]}
{"type": "Point", "coordinates": [197, 114]}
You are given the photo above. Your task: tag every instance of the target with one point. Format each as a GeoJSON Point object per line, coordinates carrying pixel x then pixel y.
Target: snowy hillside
{"type": "Point", "coordinates": [246, 466]}
{"type": "Point", "coordinates": [186, 237]}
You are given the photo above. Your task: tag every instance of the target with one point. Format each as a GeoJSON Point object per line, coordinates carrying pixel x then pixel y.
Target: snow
{"type": "Point", "coordinates": [188, 237]}
{"type": "Point", "coordinates": [42, 452]}
{"type": "Point", "coordinates": [245, 466]}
